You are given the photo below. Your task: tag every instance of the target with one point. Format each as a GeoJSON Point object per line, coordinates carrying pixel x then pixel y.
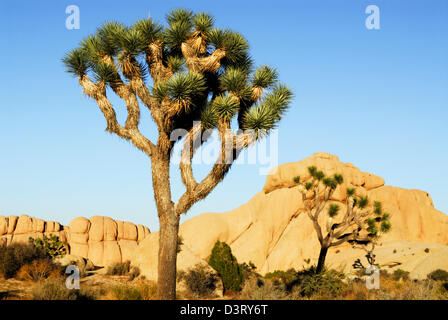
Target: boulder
{"type": "Point", "coordinates": [145, 257]}
{"type": "Point", "coordinates": [82, 263]}
{"type": "Point", "coordinates": [272, 231]}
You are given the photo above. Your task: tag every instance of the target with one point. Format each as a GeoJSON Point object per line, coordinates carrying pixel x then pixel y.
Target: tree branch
{"type": "Point", "coordinates": [130, 131]}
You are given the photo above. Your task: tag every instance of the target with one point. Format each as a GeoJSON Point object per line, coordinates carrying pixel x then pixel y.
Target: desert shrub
{"type": "Point", "coordinates": [356, 290]}
{"type": "Point", "coordinates": [427, 250]}
{"type": "Point", "coordinates": [55, 289]}
{"type": "Point", "coordinates": [134, 273]}
{"type": "Point", "coordinates": [328, 284]}
{"type": "Point", "coordinates": [249, 270]}
{"type": "Point", "coordinates": [139, 291]}
{"type": "Point", "coordinates": [414, 290]}
{"type": "Point", "coordinates": [445, 286]}
{"type": "Point", "coordinates": [223, 261]}
{"type": "Point", "coordinates": [285, 277]}
{"type": "Point", "coordinates": [400, 274]}
{"type": "Point", "coordinates": [438, 275]}
{"type": "Point", "coordinates": [39, 269]}
{"type": "Point", "coordinates": [13, 257]}
{"type": "Point", "coordinates": [200, 282]}
{"type": "Point", "coordinates": [51, 245]}
{"type": "Point", "coordinates": [126, 292]}
{"type": "Point", "coordinates": [119, 268]}
{"type": "Point", "coordinates": [122, 269]}
{"type": "Point", "coordinates": [256, 288]}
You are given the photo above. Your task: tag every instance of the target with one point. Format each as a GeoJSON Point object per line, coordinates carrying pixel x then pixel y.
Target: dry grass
{"type": "Point", "coordinates": [39, 270]}
{"type": "Point", "coordinates": [139, 290]}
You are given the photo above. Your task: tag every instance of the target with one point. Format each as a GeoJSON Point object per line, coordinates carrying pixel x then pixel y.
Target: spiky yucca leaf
{"type": "Point", "coordinates": [176, 63]}
{"type": "Point", "coordinates": [312, 170]}
{"type": "Point", "coordinates": [184, 87]}
{"type": "Point", "coordinates": [131, 42]}
{"type": "Point", "coordinates": [371, 226]}
{"type": "Point", "coordinates": [93, 49]}
{"type": "Point", "coordinates": [330, 182]}
{"type": "Point", "coordinates": [108, 37]}
{"type": "Point", "coordinates": [149, 30]}
{"type": "Point", "coordinates": [75, 62]}
{"type": "Point", "coordinates": [319, 175]}
{"type": "Point", "coordinates": [160, 90]}
{"type": "Point", "coordinates": [203, 22]}
{"type": "Point", "coordinates": [338, 178]}
{"type": "Point", "coordinates": [385, 226]}
{"type": "Point", "coordinates": [362, 202]}
{"type": "Point", "coordinates": [234, 44]}
{"type": "Point", "coordinates": [179, 15]}
{"type": "Point", "coordinates": [226, 106]}
{"type": "Point", "coordinates": [264, 77]}
{"type": "Point", "coordinates": [104, 72]}
{"type": "Point", "coordinates": [265, 115]}
{"type": "Point", "coordinates": [260, 119]}
{"type": "Point", "coordinates": [209, 118]}
{"type": "Point", "coordinates": [234, 80]}
{"type": "Point", "coordinates": [350, 192]}
{"type": "Point", "coordinates": [279, 100]}
{"type": "Point", "coordinates": [177, 33]}
{"type": "Point", "coordinates": [333, 210]}
{"type": "Point", "coordinates": [377, 208]}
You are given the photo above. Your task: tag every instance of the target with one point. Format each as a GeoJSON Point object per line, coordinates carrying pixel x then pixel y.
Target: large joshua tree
{"type": "Point", "coordinates": [190, 76]}
{"type": "Point", "coordinates": [361, 225]}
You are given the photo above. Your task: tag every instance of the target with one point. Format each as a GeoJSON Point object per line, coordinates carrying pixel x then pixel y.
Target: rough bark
{"type": "Point", "coordinates": [321, 261]}
{"type": "Point", "coordinates": [168, 219]}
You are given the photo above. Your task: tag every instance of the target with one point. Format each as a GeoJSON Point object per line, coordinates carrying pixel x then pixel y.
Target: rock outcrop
{"type": "Point", "coordinates": [271, 231]}
{"type": "Point", "coordinates": [99, 239]}
{"type": "Point", "coordinates": [15, 229]}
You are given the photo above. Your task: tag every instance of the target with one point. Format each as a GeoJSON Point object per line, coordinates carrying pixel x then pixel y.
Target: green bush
{"type": "Point", "coordinates": [438, 275]}
{"type": "Point", "coordinates": [13, 257]}
{"type": "Point", "coordinates": [400, 274]}
{"type": "Point", "coordinates": [51, 245]}
{"type": "Point", "coordinates": [286, 277]}
{"type": "Point", "coordinates": [223, 261]}
{"type": "Point", "coordinates": [200, 282]}
{"type": "Point", "coordinates": [328, 283]}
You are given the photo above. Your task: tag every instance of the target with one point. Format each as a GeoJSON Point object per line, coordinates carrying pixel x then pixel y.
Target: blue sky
{"type": "Point", "coordinates": [376, 98]}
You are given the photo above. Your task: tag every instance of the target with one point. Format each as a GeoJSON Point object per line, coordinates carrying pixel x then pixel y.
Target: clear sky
{"type": "Point", "coordinates": [376, 98]}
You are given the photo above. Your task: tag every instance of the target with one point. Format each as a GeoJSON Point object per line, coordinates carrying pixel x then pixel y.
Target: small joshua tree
{"type": "Point", "coordinates": [51, 245]}
{"type": "Point", "coordinates": [190, 76]}
{"type": "Point", "coordinates": [361, 225]}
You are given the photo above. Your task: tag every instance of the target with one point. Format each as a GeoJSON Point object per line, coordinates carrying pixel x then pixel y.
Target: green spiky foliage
{"type": "Point", "coordinates": [361, 225]}
{"type": "Point", "coordinates": [227, 267]}
{"type": "Point", "coordinates": [184, 71]}
{"type": "Point", "coordinates": [51, 245]}
{"type": "Point", "coordinates": [117, 51]}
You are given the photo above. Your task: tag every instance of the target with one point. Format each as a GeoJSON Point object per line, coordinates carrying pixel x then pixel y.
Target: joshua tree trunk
{"type": "Point", "coordinates": [169, 225]}
{"type": "Point", "coordinates": [321, 261]}
{"type": "Point", "coordinates": [166, 281]}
